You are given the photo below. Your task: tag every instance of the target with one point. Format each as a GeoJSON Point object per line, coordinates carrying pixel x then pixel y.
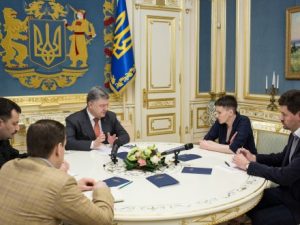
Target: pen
{"type": "Point", "coordinates": [227, 163]}
{"type": "Point", "coordinates": [124, 185]}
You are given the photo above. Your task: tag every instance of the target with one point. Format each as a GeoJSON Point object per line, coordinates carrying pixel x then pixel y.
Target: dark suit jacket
{"type": "Point", "coordinates": [276, 167]}
{"type": "Point", "coordinates": [7, 152]}
{"type": "Point", "coordinates": [244, 137]}
{"type": "Point", "coordinates": [80, 133]}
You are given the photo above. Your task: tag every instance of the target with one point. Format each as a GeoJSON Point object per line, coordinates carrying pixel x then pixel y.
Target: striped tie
{"type": "Point", "coordinates": [293, 148]}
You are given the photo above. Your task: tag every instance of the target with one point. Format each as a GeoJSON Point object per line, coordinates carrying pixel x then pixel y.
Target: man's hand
{"type": "Point", "coordinates": [111, 138]}
{"type": "Point", "coordinates": [99, 140]}
{"type": "Point", "coordinates": [86, 184]}
{"type": "Point", "coordinates": [251, 157]}
{"type": "Point", "coordinates": [99, 184]}
{"type": "Point", "coordinates": [241, 161]}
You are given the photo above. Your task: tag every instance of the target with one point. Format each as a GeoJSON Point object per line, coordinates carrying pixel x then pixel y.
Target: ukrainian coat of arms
{"type": "Point", "coordinates": [45, 50]}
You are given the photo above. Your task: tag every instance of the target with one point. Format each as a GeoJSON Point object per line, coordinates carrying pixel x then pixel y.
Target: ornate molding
{"type": "Point", "coordinates": [49, 100]}
{"type": "Point", "coordinates": [260, 114]}
{"type": "Point", "coordinates": [55, 100]}
{"type": "Point", "coordinates": [224, 215]}
{"type": "Point", "coordinates": [159, 124]}
{"type": "Point", "coordinates": [202, 117]}
{"type": "Point", "coordinates": [162, 3]}
{"type": "Point", "coordinates": [209, 203]}
{"type": "Point", "coordinates": [167, 5]}
{"type": "Point", "coordinates": [161, 103]}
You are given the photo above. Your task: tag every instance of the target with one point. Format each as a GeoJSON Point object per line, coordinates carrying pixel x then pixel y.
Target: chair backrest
{"type": "Point", "coordinates": [269, 137]}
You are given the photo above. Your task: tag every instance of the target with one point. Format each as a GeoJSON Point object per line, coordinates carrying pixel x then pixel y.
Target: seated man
{"type": "Point", "coordinates": [231, 129]}
{"type": "Point", "coordinates": [94, 126]}
{"type": "Point", "coordinates": [9, 126]}
{"type": "Point", "coordinates": [281, 204]}
{"type": "Point", "coordinates": [34, 191]}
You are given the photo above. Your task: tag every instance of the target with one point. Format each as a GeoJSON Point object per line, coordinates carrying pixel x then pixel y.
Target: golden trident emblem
{"type": "Point", "coordinates": [121, 46]}
{"type": "Point", "coordinates": [45, 49]}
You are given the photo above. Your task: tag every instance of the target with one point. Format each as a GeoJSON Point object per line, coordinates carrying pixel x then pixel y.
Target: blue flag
{"type": "Point", "coordinates": [122, 65]}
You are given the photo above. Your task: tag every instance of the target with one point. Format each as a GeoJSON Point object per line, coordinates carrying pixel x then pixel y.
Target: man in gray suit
{"type": "Point", "coordinates": [95, 125]}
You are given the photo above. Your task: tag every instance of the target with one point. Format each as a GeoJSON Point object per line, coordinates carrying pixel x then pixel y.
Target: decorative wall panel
{"type": "Point", "coordinates": [161, 124]}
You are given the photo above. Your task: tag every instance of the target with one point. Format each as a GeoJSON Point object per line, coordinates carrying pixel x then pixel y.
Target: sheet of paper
{"type": "Point", "coordinates": [125, 148]}
{"type": "Point", "coordinates": [229, 167]}
{"type": "Point", "coordinates": [116, 193]}
{"type": "Point", "coordinates": [106, 149]}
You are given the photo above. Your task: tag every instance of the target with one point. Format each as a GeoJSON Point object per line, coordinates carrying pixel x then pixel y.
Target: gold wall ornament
{"type": "Point", "coordinates": [160, 2]}
{"type": "Point", "coordinates": [47, 44]}
{"type": "Point", "coordinates": [32, 79]}
{"type": "Point", "coordinates": [44, 48]}
{"type": "Point", "coordinates": [202, 118]}
{"type": "Point", "coordinates": [159, 103]}
{"type": "Point", "coordinates": [41, 39]}
{"type": "Point", "coordinates": [81, 29]}
{"type": "Point", "coordinates": [14, 52]}
{"type": "Point", "coordinates": [159, 124]}
{"type": "Point", "coordinates": [45, 101]}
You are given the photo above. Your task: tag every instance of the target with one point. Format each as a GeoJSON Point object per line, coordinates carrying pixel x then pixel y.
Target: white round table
{"type": "Point", "coordinates": [197, 199]}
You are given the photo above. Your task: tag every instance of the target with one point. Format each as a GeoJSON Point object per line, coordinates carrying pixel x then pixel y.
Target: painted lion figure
{"type": "Point", "coordinates": [14, 52]}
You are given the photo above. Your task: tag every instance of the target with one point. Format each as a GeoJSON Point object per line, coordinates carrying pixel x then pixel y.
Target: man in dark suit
{"type": "Point", "coordinates": [9, 126]}
{"type": "Point", "coordinates": [94, 126]}
{"type": "Point", "coordinates": [279, 205]}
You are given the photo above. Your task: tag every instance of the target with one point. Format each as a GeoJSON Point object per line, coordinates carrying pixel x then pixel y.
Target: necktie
{"type": "Point", "coordinates": [96, 127]}
{"type": "Point", "coordinates": [293, 148]}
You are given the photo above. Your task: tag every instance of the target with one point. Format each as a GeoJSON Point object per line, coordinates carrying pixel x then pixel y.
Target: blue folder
{"type": "Point", "coordinates": [115, 181]}
{"type": "Point", "coordinates": [161, 180]}
{"type": "Point", "coordinates": [129, 146]}
{"type": "Point", "coordinates": [122, 155]}
{"type": "Point", "coordinates": [188, 157]}
{"type": "Point", "coordinates": [197, 170]}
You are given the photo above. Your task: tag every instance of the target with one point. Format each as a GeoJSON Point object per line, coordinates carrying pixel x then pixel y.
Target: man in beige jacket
{"type": "Point", "coordinates": [34, 191]}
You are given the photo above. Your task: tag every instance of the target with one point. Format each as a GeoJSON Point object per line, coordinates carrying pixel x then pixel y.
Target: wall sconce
{"type": "Point", "coordinates": [188, 6]}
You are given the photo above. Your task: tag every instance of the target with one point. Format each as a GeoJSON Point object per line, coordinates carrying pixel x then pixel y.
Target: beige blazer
{"type": "Point", "coordinates": [33, 193]}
